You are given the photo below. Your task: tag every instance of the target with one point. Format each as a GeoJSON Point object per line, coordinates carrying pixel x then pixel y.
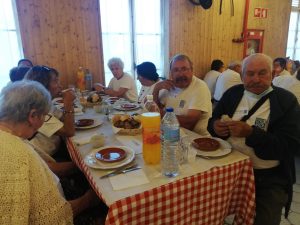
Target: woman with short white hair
{"type": "Point", "coordinates": [122, 85]}
{"type": "Point", "coordinates": [29, 191]}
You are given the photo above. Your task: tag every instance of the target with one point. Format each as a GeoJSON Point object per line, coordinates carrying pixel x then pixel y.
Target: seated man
{"type": "Point", "coordinates": [279, 67]}
{"type": "Point", "coordinates": [121, 85]}
{"type": "Point", "coordinates": [262, 122]}
{"type": "Point", "coordinates": [188, 95]}
{"type": "Point", "coordinates": [18, 73]}
{"type": "Point", "coordinates": [290, 83]}
{"type": "Point", "coordinates": [217, 67]}
{"type": "Point", "coordinates": [25, 62]}
{"type": "Point", "coordinates": [227, 79]}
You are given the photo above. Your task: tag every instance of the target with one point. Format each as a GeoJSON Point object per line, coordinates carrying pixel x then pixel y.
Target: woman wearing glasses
{"type": "Point", "coordinates": [47, 141]}
{"type": "Point", "coordinates": [29, 191]}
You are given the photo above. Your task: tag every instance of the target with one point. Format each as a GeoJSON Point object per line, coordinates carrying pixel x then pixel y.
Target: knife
{"type": "Point", "coordinates": [126, 170]}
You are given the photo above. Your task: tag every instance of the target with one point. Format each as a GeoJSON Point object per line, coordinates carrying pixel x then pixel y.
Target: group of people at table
{"type": "Point", "coordinates": [254, 116]}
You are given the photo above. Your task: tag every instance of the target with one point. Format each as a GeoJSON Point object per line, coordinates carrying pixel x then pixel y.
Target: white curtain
{"type": "Point", "coordinates": [10, 47]}
{"type": "Point", "coordinates": [132, 31]}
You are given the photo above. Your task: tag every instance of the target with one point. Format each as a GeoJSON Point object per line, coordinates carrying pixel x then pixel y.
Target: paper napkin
{"type": "Point", "coordinates": [130, 179]}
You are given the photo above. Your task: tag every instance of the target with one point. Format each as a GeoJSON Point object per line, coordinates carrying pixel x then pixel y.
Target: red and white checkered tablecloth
{"type": "Point", "coordinates": [205, 198]}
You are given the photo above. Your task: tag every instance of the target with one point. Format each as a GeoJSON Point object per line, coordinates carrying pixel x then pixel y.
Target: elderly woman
{"type": "Point", "coordinates": [122, 84]}
{"type": "Point", "coordinates": [47, 141]}
{"type": "Point", "coordinates": [148, 77]}
{"type": "Point", "coordinates": [29, 193]}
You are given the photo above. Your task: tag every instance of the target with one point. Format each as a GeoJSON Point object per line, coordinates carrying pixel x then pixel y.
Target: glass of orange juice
{"type": "Point", "coordinates": [151, 137]}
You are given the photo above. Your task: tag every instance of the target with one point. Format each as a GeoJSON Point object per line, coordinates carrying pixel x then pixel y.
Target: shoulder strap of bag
{"type": "Point", "coordinates": [256, 106]}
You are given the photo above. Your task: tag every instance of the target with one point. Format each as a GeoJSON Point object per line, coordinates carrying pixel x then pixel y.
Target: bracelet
{"type": "Point", "coordinates": [71, 111]}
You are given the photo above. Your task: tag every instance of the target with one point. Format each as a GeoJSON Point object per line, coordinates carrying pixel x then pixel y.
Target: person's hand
{"type": "Point", "coordinates": [221, 128]}
{"type": "Point", "coordinates": [166, 84]}
{"type": "Point", "coordinates": [239, 128]}
{"type": "Point", "coordinates": [68, 96]}
{"type": "Point", "coordinates": [98, 87]}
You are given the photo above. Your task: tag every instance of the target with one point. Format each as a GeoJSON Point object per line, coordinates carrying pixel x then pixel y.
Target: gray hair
{"type": "Point", "coordinates": [180, 57]}
{"type": "Point", "coordinates": [259, 56]}
{"type": "Point", "coordinates": [233, 64]}
{"type": "Point", "coordinates": [117, 61]}
{"type": "Point", "coordinates": [19, 98]}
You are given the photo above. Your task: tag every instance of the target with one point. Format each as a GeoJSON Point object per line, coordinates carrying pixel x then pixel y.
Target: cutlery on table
{"type": "Point", "coordinates": [211, 157]}
{"type": "Point", "coordinates": [121, 170]}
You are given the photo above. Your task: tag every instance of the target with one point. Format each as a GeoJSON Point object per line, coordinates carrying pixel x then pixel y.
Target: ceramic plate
{"type": "Point", "coordinates": [126, 106]}
{"type": "Point", "coordinates": [91, 161]}
{"type": "Point", "coordinates": [95, 124]}
{"type": "Point", "coordinates": [223, 150]}
{"type": "Point", "coordinates": [110, 155]}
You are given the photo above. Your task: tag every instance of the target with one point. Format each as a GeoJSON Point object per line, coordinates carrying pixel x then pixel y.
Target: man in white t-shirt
{"type": "Point", "coordinates": [290, 83]}
{"type": "Point", "coordinates": [227, 79]}
{"type": "Point", "coordinates": [122, 84]}
{"type": "Point", "coordinates": [217, 67]}
{"type": "Point", "coordinates": [279, 67]}
{"type": "Point", "coordinates": [188, 95]}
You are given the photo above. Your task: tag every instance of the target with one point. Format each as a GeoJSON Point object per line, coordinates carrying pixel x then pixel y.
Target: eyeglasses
{"type": "Point", "coordinates": [47, 117]}
{"type": "Point", "coordinates": [182, 69]}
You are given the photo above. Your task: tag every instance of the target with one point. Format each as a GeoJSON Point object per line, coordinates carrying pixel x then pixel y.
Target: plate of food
{"type": "Point", "coordinates": [126, 124]}
{"type": "Point", "coordinates": [87, 123]}
{"type": "Point", "coordinates": [126, 106]}
{"type": "Point", "coordinates": [93, 99]}
{"type": "Point", "coordinates": [110, 155]}
{"type": "Point", "coordinates": [211, 147]}
{"type": "Point", "coordinates": [92, 161]}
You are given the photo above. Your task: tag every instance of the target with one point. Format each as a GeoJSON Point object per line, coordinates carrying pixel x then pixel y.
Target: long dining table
{"type": "Point", "coordinates": [204, 192]}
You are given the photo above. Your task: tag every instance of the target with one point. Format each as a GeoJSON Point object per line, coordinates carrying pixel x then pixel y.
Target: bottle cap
{"type": "Point", "coordinates": [169, 109]}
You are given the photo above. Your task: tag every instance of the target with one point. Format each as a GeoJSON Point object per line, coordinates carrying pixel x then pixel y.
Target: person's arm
{"type": "Point", "coordinates": [62, 169]}
{"type": "Point", "coordinates": [68, 129]}
{"type": "Point", "coordinates": [282, 139]}
{"type": "Point", "coordinates": [88, 200]}
{"type": "Point", "coordinates": [119, 93]}
{"type": "Point", "coordinates": [189, 120]}
{"type": "Point", "coordinates": [166, 84]}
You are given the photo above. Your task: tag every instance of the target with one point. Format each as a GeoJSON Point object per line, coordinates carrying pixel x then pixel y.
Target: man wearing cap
{"type": "Point", "coordinates": [148, 77]}
{"type": "Point", "coordinates": [227, 79]}
{"type": "Point", "coordinates": [188, 95]}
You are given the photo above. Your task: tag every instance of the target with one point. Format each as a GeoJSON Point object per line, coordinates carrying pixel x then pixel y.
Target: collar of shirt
{"type": "Point", "coordinates": [252, 95]}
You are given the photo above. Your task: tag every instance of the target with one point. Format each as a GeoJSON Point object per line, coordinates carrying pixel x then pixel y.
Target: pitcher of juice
{"type": "Point", "coordinates": [151, 137]}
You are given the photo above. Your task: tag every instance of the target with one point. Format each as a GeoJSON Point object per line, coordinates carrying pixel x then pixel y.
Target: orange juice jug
{"type": "Point", "coordinates": [80, 79]}
{"type": "Point", "coordinates": [151, 137]}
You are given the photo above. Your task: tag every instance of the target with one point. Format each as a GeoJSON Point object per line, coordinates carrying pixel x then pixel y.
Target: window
{"type": "Point", "coordinates": [10, 44]}
{"type": "Point", "coordinates": [293, 44]}
{"type": "Point", "coordinates": [132, 30]}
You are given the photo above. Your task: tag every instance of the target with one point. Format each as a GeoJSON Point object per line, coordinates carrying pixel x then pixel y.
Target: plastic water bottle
{"type": "Point", "coordinates": [170, 135]}
{"type": "Point", "coordinates": [150, 105]}
{"type": "Point", "coordinates": [88, 78]}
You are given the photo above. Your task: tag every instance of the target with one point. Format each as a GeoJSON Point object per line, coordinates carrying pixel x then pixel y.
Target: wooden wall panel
{"type": "Point", "coordinates": [63, 34]}
{"type": "Point", "coordinates": [66, 34]}
{"type": "Point", "coordinates": [205, 35]}
{"type": "Point", "coordinates": [275, 26]}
